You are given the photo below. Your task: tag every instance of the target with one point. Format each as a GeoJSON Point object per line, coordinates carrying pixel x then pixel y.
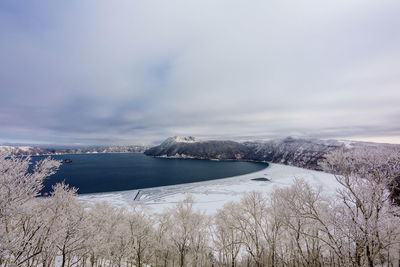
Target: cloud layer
{"type": "Point", "coordinates": [138, 71]}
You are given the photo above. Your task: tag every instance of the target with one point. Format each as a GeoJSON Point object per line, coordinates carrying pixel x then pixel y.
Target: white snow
{"type": "Point", "coordinates": [179, 139]}
{"type": "Point", "coordinates": [5, 148]}
{"type": "Point", "coordinates": [347, 143]}
{"type": "Point", "coordinates": [185, 139]}
{"type": "Point", "coordinates": [15, 148]}
{"type": "Point", "coordinates": [212, 195]}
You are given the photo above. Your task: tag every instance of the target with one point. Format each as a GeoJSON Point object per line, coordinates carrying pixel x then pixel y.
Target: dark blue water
{"type": "Point", "coordinates": [92, 173]}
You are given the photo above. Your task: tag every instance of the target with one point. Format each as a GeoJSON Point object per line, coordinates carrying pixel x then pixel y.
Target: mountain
{"type": "Point", "coordinates": [299, 152]}
{"type": "Point", "coordinates": [304, 153]}
{"type": "Point", "coordinates": [190, 147]}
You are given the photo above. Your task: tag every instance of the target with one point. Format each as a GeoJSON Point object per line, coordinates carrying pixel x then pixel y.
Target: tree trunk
{"type": "Point", "coordinates": [182, 260]}
{"type": "Point", "coordinates": [368, 254]}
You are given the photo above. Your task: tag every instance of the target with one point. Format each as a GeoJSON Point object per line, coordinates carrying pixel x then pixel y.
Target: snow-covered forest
{"type": "Point", "coordinates": [297, 225]}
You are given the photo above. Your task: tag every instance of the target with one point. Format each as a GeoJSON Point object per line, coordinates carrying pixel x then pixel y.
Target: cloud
{"type": "Point", "coordinates": [138, 71]}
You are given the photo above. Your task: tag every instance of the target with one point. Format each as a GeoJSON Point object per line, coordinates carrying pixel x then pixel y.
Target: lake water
{"type": "Point", "coordinates": [93, 173]}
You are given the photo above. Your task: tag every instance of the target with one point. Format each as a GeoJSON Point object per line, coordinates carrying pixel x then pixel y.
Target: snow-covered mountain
{"type": "Point", "coordinates": [190, 147]}
{"type": "Point", "coordinates": [181, 139]}
{"type": "Point", "coordinates": [304, 153]}
{"type": "Point", "coordinates": [299, 152]}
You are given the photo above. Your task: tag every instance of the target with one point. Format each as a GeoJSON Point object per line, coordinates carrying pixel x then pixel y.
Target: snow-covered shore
{"type": "Point", "coordinates": [212, 195]}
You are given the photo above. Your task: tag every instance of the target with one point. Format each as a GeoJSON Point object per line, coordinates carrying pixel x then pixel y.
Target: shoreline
{"type": "Point", "coordinates": [87, 153]}
{"type": "Point", "coordinates": [211, 195]}
{"type": "Point", "coordinates": [175, 185]}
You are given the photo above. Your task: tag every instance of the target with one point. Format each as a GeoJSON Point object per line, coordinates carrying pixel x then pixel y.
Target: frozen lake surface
{"type": "Point", "coordinates": [212, 195]}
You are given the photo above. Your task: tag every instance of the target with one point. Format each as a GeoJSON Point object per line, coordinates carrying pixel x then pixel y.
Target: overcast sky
{"type": "Point", "coordinates": [133, 72]}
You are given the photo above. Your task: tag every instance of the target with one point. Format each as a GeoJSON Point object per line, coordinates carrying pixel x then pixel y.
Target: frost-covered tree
{"type": "Point", "coordinates": [140, 234]}
{"type": "Point", "coordinates": [188, 232]}
{"type": "Point", "coordinates": [367, 215]}
{"type": "Point", "coordinates": [251, 220]}
{"type": "Point", "coordinates": [301, 211]}
{"type": "Point", "coordinates": [163, 246]}
{"type": "Point", "coordinates": [109, 240]}
{"type": "Point", "coordinates": [227, 236]}
{"type": "Point", "coordinates": [19, 227]}
{"type": "Point", "coordinates": [70, 221]}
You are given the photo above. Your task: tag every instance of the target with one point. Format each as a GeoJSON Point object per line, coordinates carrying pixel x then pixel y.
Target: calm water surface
{"type": "Point", "coordinates": [93, 173]}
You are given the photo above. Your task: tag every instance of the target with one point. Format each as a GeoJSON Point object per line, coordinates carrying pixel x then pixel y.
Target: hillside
{"type": "Point", "coordinates": [299, 152]}
{"type": "Point", "coordinates": [189, 147]}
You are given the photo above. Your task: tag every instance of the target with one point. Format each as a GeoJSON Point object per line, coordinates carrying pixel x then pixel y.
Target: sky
{"type": "Point", "coordinates": [137, 72]}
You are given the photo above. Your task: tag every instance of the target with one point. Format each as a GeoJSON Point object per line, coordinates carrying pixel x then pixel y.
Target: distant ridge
{"type": "Point", "coordinates": [36, 150]}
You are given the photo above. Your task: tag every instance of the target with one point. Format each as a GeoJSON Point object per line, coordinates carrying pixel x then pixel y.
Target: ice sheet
{"type": "Point", "coordinates": [212, 195]}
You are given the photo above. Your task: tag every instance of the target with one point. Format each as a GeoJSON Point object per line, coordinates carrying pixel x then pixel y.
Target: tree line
{"type": "Point", "coordinates": [297, 225]}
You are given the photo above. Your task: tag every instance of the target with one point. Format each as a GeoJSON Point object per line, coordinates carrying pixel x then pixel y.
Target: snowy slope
{"type": "Point", "coordinates": [299, 152]}
{"type": "Point", "coordinates": [17, 150]}
{"type": "Point", "coordinates": [190, 147]}
{"type": "Point", "coordinates": [212, 195]}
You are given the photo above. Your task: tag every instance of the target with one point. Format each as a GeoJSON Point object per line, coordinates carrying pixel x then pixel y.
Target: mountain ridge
{"type": "Point", "coordinates": [299, 152]}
